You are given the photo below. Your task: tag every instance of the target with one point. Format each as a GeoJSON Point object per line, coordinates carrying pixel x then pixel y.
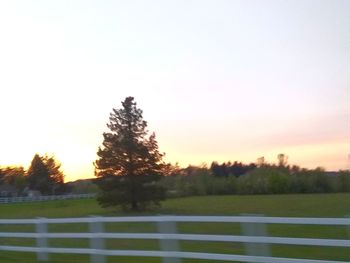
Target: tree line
{"type": "Point", "coordinates": [265, 178]}
{"type": "Point", "coordinates": [43, 177]}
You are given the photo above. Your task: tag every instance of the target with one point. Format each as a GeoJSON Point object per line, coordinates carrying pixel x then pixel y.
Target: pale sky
{"type": "Point", "coordinates": [217, 80]}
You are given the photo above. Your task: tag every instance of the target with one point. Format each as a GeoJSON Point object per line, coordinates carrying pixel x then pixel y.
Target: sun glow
{"type": "Point", "coordinates": [216, 81]}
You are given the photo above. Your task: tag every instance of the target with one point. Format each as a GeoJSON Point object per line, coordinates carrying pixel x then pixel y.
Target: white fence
{"type": "Point", "coordinates": [21, 199]}
{"type": "Point", "coordinates": [253, 227]}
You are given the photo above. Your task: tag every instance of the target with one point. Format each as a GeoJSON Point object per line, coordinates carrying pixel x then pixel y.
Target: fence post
{"type": "Point", "coordinates": [168, 227]}
{"type": "Point", "coordinates": [41, 241]}
{"type": "Point", "coordinates": [255, 229]}
{"type": "Point", "coordinates": [97, 242]}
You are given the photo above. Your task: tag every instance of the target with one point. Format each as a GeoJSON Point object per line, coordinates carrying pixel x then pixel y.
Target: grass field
{"type": "Point", "coordinates": [310, 205]}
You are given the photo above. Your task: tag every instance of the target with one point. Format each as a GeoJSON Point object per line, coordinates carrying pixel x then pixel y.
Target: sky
{"type": "Point", "coordinates": [216, 80]}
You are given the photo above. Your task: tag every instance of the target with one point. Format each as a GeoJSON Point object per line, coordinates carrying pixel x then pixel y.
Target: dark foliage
{"type": "Point", "coordinates": [265, 179]}
{"type": "Point", "coordinates": [129, 163]}
{"type": "Point", "coordinates": [15, 177]}
{"type": "Point", "coordinates": [45, 176]}
{"type": "Point", "coordinates": [226, 169]}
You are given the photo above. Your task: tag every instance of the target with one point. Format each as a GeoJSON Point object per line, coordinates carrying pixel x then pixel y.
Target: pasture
{"type": "Point", "coordinates": [308, 205]}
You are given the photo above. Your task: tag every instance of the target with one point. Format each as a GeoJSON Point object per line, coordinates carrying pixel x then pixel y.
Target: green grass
{"type": "Point", "coordinates": [308, 205]}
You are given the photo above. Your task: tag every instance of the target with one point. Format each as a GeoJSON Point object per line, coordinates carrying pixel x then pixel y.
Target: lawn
{"type": "Point", "coordinates": [308, 205]}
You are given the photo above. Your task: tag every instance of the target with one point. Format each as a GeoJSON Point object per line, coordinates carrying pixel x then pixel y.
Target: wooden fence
{"type": "Point", "coordinates": [253, 229]}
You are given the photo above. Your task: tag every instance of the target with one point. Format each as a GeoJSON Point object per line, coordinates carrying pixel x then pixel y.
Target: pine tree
{"type": "Point", "coordinates": [45, 176]}
{"type": "Point", "coordinates": [129, 163]}
{"type": "Point", "coordinates": [38, 176]}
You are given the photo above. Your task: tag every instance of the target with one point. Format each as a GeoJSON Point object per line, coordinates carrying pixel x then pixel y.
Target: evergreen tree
{"type": "Point", "coordinates": [129, 163]}
{"type": "Point", "coordinates": [54, 169]}
{"type": "Point", "coordinates": [45, 176]}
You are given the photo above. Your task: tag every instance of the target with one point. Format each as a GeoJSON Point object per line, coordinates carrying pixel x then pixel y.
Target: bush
{"type": "Point", "coordinates": [201, 183]}
{"type": "Point", "coordinates": [343, 182]}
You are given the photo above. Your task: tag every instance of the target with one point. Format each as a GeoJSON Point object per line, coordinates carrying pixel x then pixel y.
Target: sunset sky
{"type": "Point", "coordinates": [217, 80]}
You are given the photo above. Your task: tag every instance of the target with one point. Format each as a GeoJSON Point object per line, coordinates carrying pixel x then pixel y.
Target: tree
{"type": "Point", "coordinates": [14, 176]}
{"type": "Point", "coordinates": [54, 169]}
{"type": "Point", "coordinates": [45, 176]}
{"type": "Point", "coordinates": [260, 161]}
{"type": "Point", "coordinates": [129, 163]}
{"type": "Point", "coordinates": [282, 160]}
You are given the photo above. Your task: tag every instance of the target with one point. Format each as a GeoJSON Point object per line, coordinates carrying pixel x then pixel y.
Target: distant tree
{"type": "Point", "coordinates": [260, 161]}
{"type": "Point", "coordinates": [15, 176]}
{"type": "Point", "coordinates": [38, 175]}
{"type": "Point", "coordinates": [56, 174]}
{"type": "Point", "coordinates": [228, 169]}
{"type": "Point", "coordinates": [44, 175]}
{"type": "Point", "coordinates": [282, 160]}
{"type": "Point", "coordinates": [172, 169]}
{"type": "Point", "coordinates": [129, 163]}
{"type": "Point", "coordinates": [219, 170]}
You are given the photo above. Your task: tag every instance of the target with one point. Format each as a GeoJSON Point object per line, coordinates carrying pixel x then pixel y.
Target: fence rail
{"type": "Point", "coordinates": [22, 199]}
{"type": "Point", "coordinates": [252, 226]}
